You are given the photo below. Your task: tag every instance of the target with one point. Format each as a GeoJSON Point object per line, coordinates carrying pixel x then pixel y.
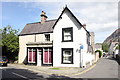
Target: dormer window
{"type": "Point", "coordinates": [47, 37]}
{"type": "Point", "coordinates": [67, 34]}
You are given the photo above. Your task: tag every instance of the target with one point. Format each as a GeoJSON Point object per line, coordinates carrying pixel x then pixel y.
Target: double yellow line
{"type": "Point", "coordinates": [85, 70]}
{"type": "Point", "coordinates": [79, 73]}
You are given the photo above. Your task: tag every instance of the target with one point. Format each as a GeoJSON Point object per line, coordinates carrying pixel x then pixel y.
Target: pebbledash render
{"type": "Point", "coordinates": [62, 42]}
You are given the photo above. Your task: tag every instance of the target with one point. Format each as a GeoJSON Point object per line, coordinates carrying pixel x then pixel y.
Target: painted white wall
{"type": "Point", "coordinates": [88, 57]}
{"type": "Point", "coordinates": [116, 51]}
{"type": "Point", "coordinates": [79, 37]}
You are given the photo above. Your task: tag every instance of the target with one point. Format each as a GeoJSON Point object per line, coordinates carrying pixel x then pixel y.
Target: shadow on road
{"type": "Point", "coordinates": [116, 59]}
{"type": "Point", "coordinates": [23, 74]}
{"type": "Point", "coordinates": [110, 58]}
{"type": "Point", "coordinates": [19, 74]}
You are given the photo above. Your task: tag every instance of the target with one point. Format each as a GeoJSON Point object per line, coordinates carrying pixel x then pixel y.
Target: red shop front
{"type": "Point", "coordinates": [45, 56]}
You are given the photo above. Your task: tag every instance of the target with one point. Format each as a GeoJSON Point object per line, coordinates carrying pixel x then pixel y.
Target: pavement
{"type": "Point", "coordinates": [66, 71]}
{"type": "Point", "coordinates": [106, 68]}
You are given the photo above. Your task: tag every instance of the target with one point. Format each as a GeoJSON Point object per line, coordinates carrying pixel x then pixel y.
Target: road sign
{"type": "Point", "coordinates": [81, 47]}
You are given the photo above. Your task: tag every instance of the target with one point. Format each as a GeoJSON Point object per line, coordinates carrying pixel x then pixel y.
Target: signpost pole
{"type": "Point", "coordinates": [81, 47]}
{"type": "Point", "coordinates": [80, 59]}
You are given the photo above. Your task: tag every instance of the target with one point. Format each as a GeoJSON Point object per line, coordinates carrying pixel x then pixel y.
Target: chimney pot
{"type": "Point", "coordinates": [43, 13]}
{"type": "Point", "coordinates": [43, 17]}
{"type": "Point", "coordinates": [84, 25]}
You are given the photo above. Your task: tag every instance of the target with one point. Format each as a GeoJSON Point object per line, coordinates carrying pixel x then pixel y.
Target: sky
{"type": "Point", "coordinates": [99, 17]}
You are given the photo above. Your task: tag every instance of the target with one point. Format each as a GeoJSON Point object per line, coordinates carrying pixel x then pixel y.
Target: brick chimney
{"type": "Point", "coordinates": [43, 17]}
{"type": "Point", "coordinates": [84, 25]}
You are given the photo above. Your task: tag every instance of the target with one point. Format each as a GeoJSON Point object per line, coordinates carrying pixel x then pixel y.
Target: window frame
{"type": "Point", "coordinates": [33, 57]}
{"type": "Point", "coordinates": [47, 39]}
{"type": "Point", "coordinates": [62, 54]}
{"type": "Point", "coordinates": [71, 32]}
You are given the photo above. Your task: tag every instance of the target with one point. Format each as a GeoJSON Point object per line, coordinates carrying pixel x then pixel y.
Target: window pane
{"type": "Point", "coordinates": [67, 52]}
{"type": "Point", "coordinates": [40, 50]}
{"type": "Point", "coordinates": [34, 56]}
{"type": "Point", "coordinates": [45, 49]}
{"type": "Point", "coordinates": [47, 37]}
{"type": "Point", "coordinates": [67, 56]}
{"type": "Point", "coordinates": [67, 34]}
{"type": "Point", "coordinates": [50, 57]}
{"type": "Point", "coordinates": [34, 49]}
{"type": "Point", "coordinates": [67, 59]}
{"type": "Point", "coordinates": [45, 57]}
{"type": "Point", "coordinates": [70, 58]}
{"type": "Point", "coordinates": [30, 56]}
{"type": "Point", "coordinates": [67, 37]}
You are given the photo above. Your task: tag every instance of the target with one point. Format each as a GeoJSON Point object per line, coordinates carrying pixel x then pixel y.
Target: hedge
{"type": "Point", "coordinates": [100, 53]}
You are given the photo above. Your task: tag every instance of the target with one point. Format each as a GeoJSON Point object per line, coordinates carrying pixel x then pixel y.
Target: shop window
{"type": "Point", "coordinates": [31, 55]}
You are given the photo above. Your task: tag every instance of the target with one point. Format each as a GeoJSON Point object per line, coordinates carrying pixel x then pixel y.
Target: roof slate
{"type": "Point", "coordinates": [48, 26]}
{"type": "Point", "coordinates": [35, 28]}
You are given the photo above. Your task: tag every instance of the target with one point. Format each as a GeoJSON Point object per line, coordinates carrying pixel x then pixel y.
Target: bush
{"type": "Point", "coordinates": [100, 53]}
{"type": "Point", "coordinates": [16, 58]}
{"type": "Point", "coordinates": [105, 47]}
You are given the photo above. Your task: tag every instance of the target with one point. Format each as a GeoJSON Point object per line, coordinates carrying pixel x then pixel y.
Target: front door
{"type": "Point", "coordinates": [39, 55]}
{"type": "Point", "coordinates": [47, 56]}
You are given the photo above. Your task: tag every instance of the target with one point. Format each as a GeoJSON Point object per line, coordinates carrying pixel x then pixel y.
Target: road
{"type": "Point", "coordinates": [15, 73]}
{"type": "Point", "coordinates": [105, 68]}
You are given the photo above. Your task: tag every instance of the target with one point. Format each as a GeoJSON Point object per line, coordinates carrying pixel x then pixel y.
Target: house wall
{"type": "Point", "coordinates": [79, 38]}
{"type": "Point", "coordinates": [23, 40]}
{"type": "Point", "coordinates": [41, 37]}
{"type": "Point", "coordinates": [96, 56]}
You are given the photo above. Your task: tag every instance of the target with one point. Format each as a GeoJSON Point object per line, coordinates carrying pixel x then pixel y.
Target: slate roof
{"type": "Point", "coordinates": [35, 28]}
{"type": "Point", "coordinates": [48, 26]}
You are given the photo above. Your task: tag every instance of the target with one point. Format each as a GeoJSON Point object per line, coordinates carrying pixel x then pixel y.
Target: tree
{"type": "Point", "coordinates": [9, 42]}
{"type": "Point", "coordinates": [105, 47]}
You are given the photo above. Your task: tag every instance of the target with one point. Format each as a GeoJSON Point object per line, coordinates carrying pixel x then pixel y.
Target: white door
{"type": "Point", "coordinates": [39, 53]}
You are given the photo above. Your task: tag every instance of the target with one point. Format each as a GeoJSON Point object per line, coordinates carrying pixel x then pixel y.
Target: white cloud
{"type": "Point", "coordinates": [102, 12]}
{"type": "Point", "coordinates": [103, 27]}
{"type": "Point", "coordinates": [100, 17]}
